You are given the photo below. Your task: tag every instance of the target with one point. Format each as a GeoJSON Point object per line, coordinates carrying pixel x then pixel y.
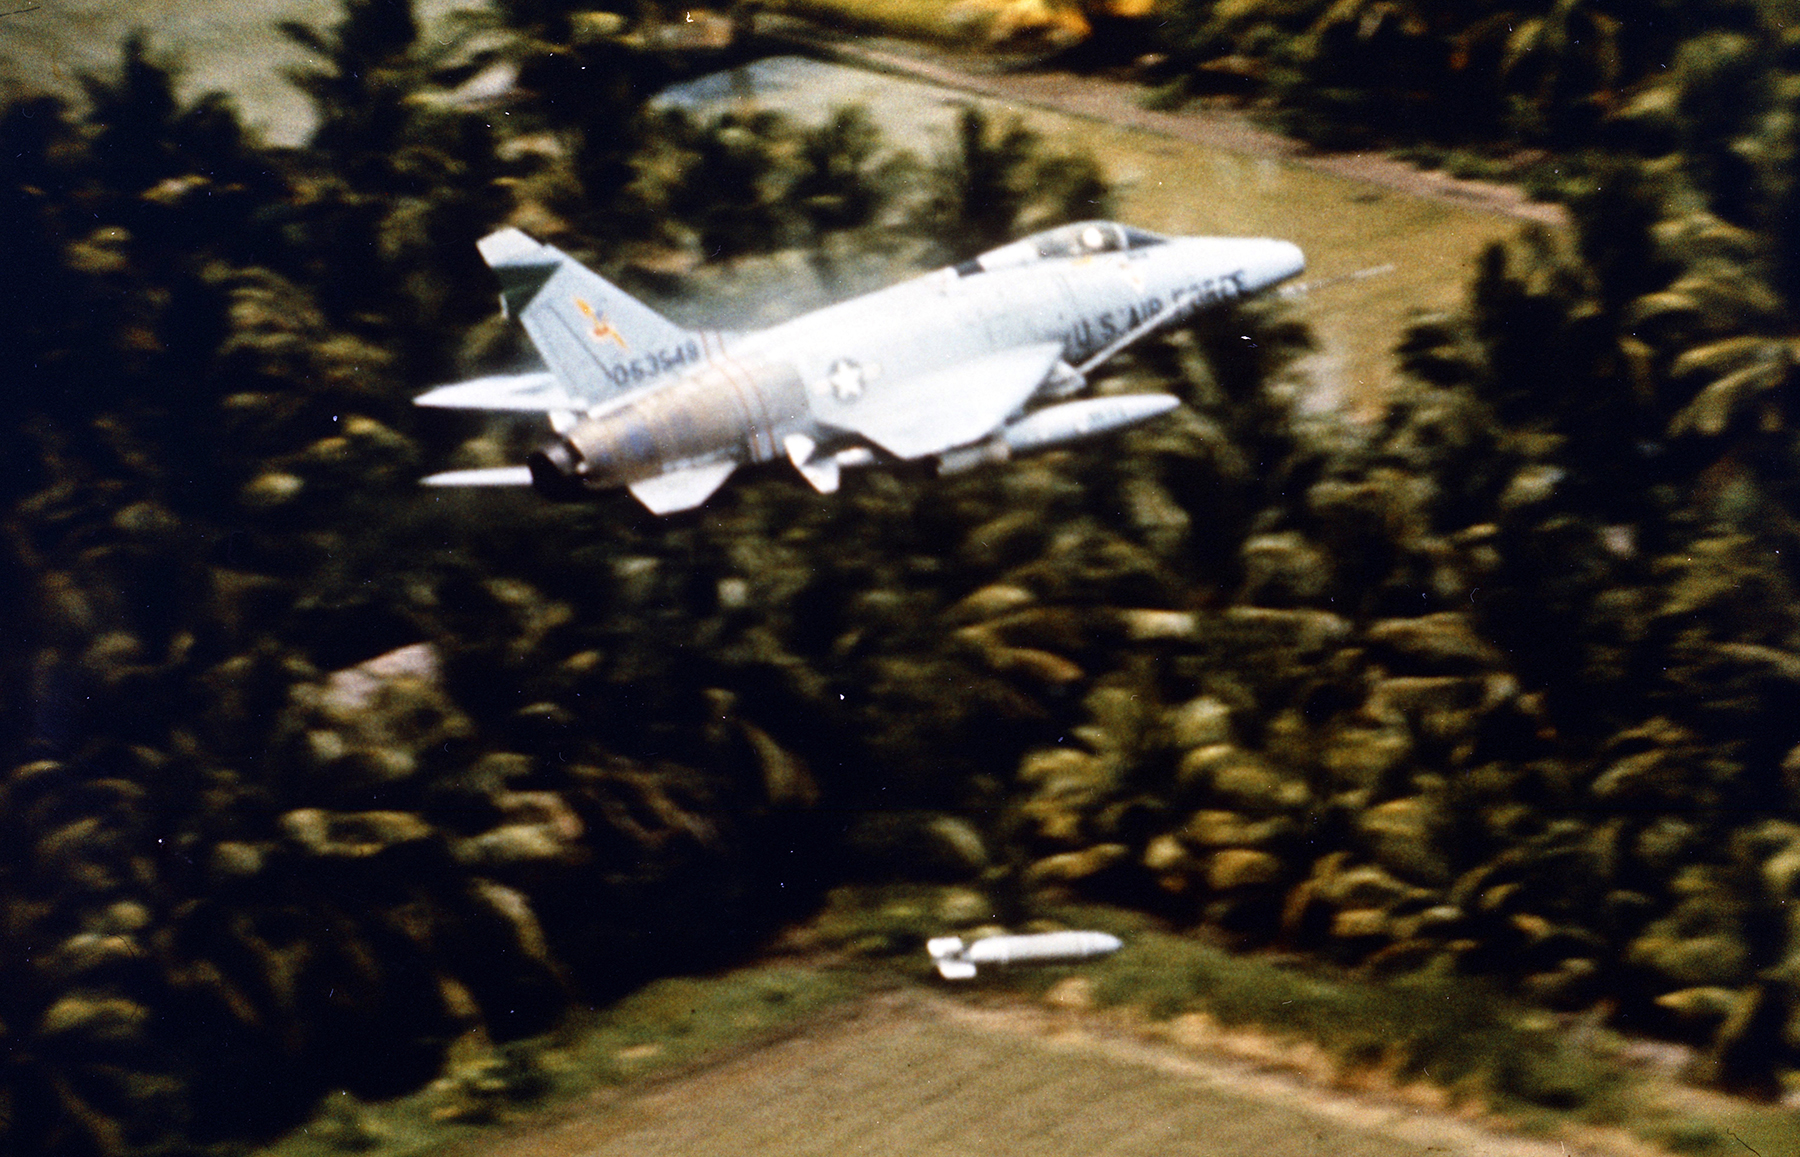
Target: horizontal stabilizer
{"type": "Point", "coordinates": [951, 407]}
{"type": "Point", "coordinates": [532, 393]}
{"type": "Point", "coordinates": [682, 489]}
{"type": "Point", "coordinates": [490, 476]}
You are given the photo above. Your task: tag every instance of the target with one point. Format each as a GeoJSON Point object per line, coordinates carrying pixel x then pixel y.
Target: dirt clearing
{"type": "Point", "coordinates": [912, 1074]}
{"type": "Point", "coordinates": [48, 45]}
{"type": "Point", "coordinates": [1185, 183]}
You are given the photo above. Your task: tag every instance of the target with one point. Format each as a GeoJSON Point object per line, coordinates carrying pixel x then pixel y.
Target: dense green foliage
{"type": "Point", "coordinates": [1546, 72]}
{"type": "Point", "coordinates": [245, 865]}
{"type": "Point", "coordinates": [1509, 684]}
{"type": "Point", "coordinates": [314, 773]}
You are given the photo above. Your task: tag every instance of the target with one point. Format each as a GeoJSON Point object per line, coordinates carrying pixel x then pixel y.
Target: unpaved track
{"type": "Point", "coordinates": [1120, 103]}
{"type": "Point", "coordinates": [913, 1074]}
{"type": "Point", "coordinates": [1206, 172]}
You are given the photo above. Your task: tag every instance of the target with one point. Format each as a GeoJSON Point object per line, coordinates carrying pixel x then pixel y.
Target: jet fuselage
{"type": "Point", "coordinates": [946, 365]}
{"type": "Point", "coordinates": [809, 375]}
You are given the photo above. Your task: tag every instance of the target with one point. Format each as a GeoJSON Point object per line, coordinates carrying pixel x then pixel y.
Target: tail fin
{"type": "Point", "coordinates": [599, 340]}
{"type": "Point", "coordinates": [947, 953]}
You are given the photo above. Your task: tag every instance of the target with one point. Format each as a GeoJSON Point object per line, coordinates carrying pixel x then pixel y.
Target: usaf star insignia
{"type": "Point", "coordinates": [847, 380]}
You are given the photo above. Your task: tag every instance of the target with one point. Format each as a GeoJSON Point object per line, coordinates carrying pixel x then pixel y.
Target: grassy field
{"type": "Point", "coordinates": [661, 1028]}
{"type": "Point", "coordinates": [232, 47]}
{"type": "Point", "coordinates": [1162, 183]}
{"type": "Point", "coordinates": [1449, 1042]}
{"type": "Point", "coordinates": [1342, 225]}
{"type": "Point", "coordinates": [900, 1080]}
{"type": "Point", "coordinates": [1176, 186]}
{"type": "Point", "coordinates": [1171, 1046]}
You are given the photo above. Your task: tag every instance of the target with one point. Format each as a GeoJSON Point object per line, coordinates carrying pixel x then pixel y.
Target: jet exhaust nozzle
{"type": "Point", "coordinates": [554, 473]}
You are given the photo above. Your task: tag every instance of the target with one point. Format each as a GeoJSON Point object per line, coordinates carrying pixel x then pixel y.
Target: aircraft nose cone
{"type": "Point", "coordinates": [1272, 262]}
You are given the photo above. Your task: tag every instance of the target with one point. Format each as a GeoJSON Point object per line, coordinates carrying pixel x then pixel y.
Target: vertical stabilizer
{"type": "Point", "coordinates": [598, 339]}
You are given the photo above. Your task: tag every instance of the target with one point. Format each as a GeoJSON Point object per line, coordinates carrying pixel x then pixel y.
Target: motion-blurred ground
{"type": "Point", "coordinates": [918, 1076]}
{"type": "Point", "coordinates": [1161, 183]}
{"type": "Point", "coordinates": [1182, 186]}
{"type": "Point", "coordinates": [230, 47]}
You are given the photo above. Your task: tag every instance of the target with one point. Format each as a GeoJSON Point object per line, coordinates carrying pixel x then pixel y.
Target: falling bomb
{"type": "Point", "coordinates": [956, 960]}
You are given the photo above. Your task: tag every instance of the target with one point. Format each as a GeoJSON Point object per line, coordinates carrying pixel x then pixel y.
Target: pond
{"type": "Point", "coordinates": [1172, 185]}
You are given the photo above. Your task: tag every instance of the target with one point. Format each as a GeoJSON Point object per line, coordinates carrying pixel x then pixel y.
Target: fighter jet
{"type": "Point", "coordinates": [964, 365]}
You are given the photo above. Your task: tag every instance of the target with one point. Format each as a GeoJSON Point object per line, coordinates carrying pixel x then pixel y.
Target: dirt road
{"type": "Point", "coordinates": [1120, 103]}
{"type": "Point", "coordinates": [914, 1074]}
{"type": "Point", "coordinates": [1194, 172]}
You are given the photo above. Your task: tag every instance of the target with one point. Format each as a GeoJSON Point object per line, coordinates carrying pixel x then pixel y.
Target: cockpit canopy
{"type": "Point", "coordinates": [1082, 239]}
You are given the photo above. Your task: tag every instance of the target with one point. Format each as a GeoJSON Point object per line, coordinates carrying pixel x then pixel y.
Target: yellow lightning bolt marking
{"type": "Point", "coordinates": [603, 329]}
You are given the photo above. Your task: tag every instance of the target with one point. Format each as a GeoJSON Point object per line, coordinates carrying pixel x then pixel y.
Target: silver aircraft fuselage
{"type": "Point", "coordinates": [945, 364]}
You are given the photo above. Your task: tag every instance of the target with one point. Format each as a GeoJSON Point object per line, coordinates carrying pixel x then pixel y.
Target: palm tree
{"type": "Point", "coordinates": [1369, 64]}
{"type": "Point", "coordinates": [1723, 91]}
{"type": "Point", "coordinates": [845, 180]}
{"type": "Point", "coordinates": [977, 187]}
{"type": "Point", "coordinates": [992, 184]}
{"type": "Point", "coordinates": [1748, 383]}
{"type": "Point", "coordinates": [1562, 62]}
{"type": "Point", "coordinates": [359, 91]}
{"type": "Point", "coordinates": [587, 77]}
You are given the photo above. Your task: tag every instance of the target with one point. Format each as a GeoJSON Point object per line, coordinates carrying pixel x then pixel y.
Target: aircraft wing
{"type": "Point", "coordinates": [534, 393]}
{"type": "Point", "coordinates": [938, 411]}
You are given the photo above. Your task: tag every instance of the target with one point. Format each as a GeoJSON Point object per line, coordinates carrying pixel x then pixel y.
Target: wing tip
{"type": "Point", "coordinates": [510, 246]}
{"type": "Point", "coordinates": [484, 476]}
